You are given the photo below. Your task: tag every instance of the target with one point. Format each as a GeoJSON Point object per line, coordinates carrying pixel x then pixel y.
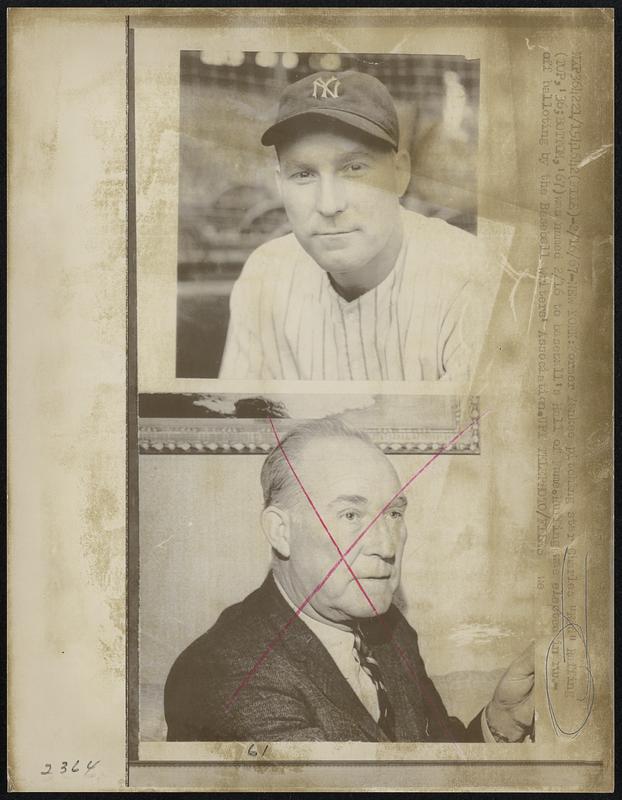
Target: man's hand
{"type": "Point", "coordinates": [510, 712]}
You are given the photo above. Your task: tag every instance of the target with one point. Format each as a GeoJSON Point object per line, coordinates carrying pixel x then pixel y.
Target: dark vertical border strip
{"type": "Point", "coordinates": [132, 544]}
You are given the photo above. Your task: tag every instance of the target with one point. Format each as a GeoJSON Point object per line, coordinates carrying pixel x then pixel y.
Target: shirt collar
{"type": "Point", "coordinates": [330, 636]}
{"type": "Point", "coordinates": [384, 287]}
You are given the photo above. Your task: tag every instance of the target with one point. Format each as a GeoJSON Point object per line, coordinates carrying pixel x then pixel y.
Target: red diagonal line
{"type": "Point", "coordinates": [272, 644]}
{"type": "Point", "coordinates": [413, 478]}
{"type": "Point", "coordinates": [383, 622]}
{"type": "Point", "coordinates": [319, 516]}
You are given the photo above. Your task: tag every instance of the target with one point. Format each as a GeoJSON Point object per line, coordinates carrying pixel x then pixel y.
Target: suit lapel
{"type": "Point", "coordinates": [401, 679]}
{"type": "Point", "coordinates": [303, 647]}
{"type": "Point", "coordinates": [404, 694]}
{"type": "Point", "coordinates": [323, 671]}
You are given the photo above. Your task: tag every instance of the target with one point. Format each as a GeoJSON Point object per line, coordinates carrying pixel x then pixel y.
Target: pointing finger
{"type": "Point", "coordinates": [524, 665]}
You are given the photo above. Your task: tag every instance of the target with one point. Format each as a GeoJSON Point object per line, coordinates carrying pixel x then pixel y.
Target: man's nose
{"type": "Point", "coordinates": [381, 541]}
{"type": "Point", "coordinates": [331, 197]}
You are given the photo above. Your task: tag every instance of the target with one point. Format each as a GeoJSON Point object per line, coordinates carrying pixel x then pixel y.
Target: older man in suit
{"type": "Point", "coordinates": [310, 657]}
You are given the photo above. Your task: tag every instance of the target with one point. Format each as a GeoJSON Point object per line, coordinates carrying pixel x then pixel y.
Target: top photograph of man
{"type": "Point", "coordinates": [361, 287]}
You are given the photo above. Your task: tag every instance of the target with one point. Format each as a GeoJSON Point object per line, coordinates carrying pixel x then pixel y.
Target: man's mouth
{"type": "Point", "coordinates": [334, 233]}
{"type": "Point", "coordinates": [383, 577]}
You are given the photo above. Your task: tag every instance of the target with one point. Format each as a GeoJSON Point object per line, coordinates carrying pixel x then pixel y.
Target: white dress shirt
{"type": "Point", "coordinates": [340, 646]}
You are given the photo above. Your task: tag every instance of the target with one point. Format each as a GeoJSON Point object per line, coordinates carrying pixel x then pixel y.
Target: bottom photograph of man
{"type": "Point", "coordinates": [321, 640]}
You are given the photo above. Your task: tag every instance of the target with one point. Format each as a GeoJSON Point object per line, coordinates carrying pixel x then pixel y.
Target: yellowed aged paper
{"type": "Point", "coordinates": [127, 542]}
{"type": "Point", "coordinates": [67, 270]}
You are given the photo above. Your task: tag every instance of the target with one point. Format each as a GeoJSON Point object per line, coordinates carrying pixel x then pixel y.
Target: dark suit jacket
{"type": "Point", "coordinates": [296, 692]}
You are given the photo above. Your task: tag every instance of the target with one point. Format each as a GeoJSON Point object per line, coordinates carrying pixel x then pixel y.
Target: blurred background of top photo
{"type": "Point", "coordinates": [228, 203]}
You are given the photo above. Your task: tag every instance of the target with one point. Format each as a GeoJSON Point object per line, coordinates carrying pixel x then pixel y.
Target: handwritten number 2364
{"type": "Point", "coordinates": [65, 768]}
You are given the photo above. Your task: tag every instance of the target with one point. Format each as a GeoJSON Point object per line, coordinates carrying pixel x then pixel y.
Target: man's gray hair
{"type": "Point", "coordinates": [279, 485]}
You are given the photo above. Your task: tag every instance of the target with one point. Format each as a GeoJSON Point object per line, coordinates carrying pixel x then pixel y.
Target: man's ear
{"type": "Point", "coordinates": [276, 525]}
{"type": "Point", "coordinates": [277, 179]}
{"type": "Point", "coordinates": [402, 168]}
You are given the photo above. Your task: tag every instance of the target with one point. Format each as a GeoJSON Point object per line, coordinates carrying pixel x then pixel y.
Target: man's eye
{"type": "Point", "coordinates": [301, 176]}
{"type": "Point", "coordinates": [355, 166]}
{"type": "Point", "coordinates": [351, 516]}
{"type": "Point", "coordinates": [395, 514]}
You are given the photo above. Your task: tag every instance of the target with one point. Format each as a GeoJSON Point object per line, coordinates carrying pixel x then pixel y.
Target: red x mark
{"type": "Point", "coordinates": [342, 558]}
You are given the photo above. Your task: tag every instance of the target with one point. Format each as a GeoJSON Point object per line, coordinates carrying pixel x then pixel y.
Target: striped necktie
{"type": "Point", "coordinates": [386, 721]}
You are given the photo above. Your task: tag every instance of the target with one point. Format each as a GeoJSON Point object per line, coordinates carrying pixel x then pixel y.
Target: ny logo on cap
{"type": "Point", "coordinates": [319, 84]}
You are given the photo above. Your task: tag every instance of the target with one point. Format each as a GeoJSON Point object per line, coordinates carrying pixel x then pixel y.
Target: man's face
{"type": "Point", "coordinates": [341, 193]}
{"type": "Point", "coordinates": [349, 482]}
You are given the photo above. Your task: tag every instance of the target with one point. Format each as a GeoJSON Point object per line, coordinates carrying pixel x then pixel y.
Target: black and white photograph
{"type": "Point", "coordinates": [239, 423]}
{"type": "Point", "coordinates": [334, 237]}
{"type": "Point", "coordinates": [310, 404]}
{"type": "Point", "coordinates": [297, 614]}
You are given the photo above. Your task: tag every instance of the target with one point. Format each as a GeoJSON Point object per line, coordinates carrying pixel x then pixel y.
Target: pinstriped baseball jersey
{"type": "Point", "coordinates": [420, 323]}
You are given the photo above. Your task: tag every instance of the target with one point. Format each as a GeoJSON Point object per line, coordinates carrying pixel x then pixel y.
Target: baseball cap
{"type": "Point", "coordinates": [354, 98]}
